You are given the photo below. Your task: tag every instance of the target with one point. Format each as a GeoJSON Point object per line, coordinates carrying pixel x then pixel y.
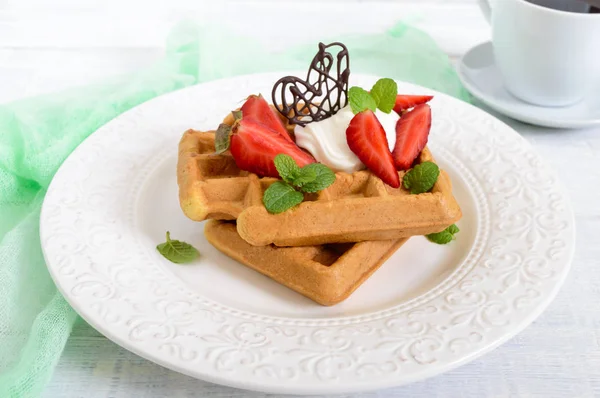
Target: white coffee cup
{"type": "Point", "coordinates": [546, 57]}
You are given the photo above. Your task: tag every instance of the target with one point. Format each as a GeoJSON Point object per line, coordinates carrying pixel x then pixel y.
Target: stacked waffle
{"type": "Point", "coordinates": [323, 248]}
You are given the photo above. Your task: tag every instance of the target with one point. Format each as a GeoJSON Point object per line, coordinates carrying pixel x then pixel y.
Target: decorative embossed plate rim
{"type": "Point", "coordinates": [521, 255]}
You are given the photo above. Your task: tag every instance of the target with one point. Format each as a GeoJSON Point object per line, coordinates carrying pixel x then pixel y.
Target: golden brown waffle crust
{"type": "Point", "coordinates": [317, 272]}
{"type": "Point", "coordinates": [357, 207]}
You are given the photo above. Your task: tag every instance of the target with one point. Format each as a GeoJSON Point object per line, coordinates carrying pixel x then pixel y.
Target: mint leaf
{"type": "Point", "coordinates": [444, 237]}
{"type": "Point", "coordinates": [360, 100]}
{"type": "Point", "coordinates": [222, 138]}
{"type": "Point", "coordinates": [286, 167]}
{"type": "Point", "coordinates": [305, 175]}
{"type": "Point", "coordinates": [324, 177]}
{"type": "Point", "coordinates": [421, 178]}
{"type": "Point", "coordinates": [177, 251]}
{"type": "Point", "coordinates": [384, 93]}
{"type": "Point", "coordinates": [453, 229]}
{"type": "Point", "coordinates": [280, 196]}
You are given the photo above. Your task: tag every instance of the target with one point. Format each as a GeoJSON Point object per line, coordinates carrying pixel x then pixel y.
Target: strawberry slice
{"type": "Point", "coordinates": [412, 131]}
{"type": "Point", "coordinates": [254, 147]}
{"type": "Point", "coordinates": [404, 102]}
{"type": "Point", "coordinates": [366, 138]}
{"type": "Point", "coordinates": [257, 109]}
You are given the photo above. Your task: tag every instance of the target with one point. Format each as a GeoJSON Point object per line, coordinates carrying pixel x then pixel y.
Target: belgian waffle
{"type": "Point", "coordinates": [357, 207]}
{"type": "Point", "coordinates": [326, 274]}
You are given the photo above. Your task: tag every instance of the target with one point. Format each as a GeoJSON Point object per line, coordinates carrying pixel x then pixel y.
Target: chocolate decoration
{"type": "Point", "coordinates": [322, 94]}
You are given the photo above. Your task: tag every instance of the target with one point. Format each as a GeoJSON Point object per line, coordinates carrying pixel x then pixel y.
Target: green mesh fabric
{"type": "Point", "coordinates": [37, 135]}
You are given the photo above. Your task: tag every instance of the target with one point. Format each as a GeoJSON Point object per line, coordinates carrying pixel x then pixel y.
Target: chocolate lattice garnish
{"type": "Point", "coordinates": [322, 94]}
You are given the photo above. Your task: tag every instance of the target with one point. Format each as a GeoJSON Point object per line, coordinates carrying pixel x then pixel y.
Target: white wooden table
{"type": "Point", "coordinates": [45, 47]}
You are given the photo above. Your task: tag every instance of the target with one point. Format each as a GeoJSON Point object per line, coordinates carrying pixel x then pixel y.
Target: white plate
{"type": "Point", "coordinates": [480, 75]}
{"type": "Point", "coordinates": [430, 308]}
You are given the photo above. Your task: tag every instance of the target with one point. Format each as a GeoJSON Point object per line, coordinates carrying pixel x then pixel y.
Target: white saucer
{"type": "Point", "coordinates": [479, 74]}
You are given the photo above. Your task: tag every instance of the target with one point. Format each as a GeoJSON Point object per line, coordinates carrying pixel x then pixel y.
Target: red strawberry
{"type": "Point", "coordinates": [257, 109]}
{"type": "Point", "coordinates": [366, 138]}
{"type": "Point", "coordinates": [412, 131]}
{"type": "Point", "coordinates": [404, 102]}
{"type": "Point", "coordinates": [254, 147]}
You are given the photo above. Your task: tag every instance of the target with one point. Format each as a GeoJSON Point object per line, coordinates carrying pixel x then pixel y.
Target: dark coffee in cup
{"type": "Point", "coordinates": [578, 6]}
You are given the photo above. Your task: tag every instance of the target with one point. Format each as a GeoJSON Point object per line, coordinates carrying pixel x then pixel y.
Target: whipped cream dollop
{"type": "Point", "coordinates": [326, 139]}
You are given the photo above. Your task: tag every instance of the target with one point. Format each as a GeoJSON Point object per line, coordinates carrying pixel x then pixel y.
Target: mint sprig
{"type": "Point", "coordinates": [177, 251]}
{"type": "Point", "coordinates": [384, 92]}
{"type": "Point", "coordinates": [305, 176]}
{"type": "Point", "coordinates": [283, 195]}
{"type": "Point", "coordinates": [287, 168]}
{"type": "Point", "coordinates": [360, 100]}
{"type": "Point", "coordinates": [444, 237]}
{"type": "Point", "coordinates": [382, 96]}
{"type": "Point", "coordinates": [421, 178]}
{"type": "Point", "coordinates": [324, 177]}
